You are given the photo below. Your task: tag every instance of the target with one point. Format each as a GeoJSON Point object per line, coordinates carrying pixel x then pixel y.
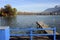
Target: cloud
{"type": "Point", "coordinates": [37, 5]}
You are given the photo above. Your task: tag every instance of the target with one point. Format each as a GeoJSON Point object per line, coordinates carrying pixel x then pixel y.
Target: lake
{"type": "Point", "coordinates": [28, 21]}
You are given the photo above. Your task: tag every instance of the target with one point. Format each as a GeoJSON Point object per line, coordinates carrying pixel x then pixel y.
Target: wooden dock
{"type": "Point", "coordinates": [42, 25]}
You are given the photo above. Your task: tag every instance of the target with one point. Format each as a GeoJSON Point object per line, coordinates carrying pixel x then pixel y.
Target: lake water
{"type": "Point", "coordinates": [28, 21]}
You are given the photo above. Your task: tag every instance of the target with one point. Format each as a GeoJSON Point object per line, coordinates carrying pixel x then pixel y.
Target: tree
{"type": "Point", "coordinates": [8, 11]}
{"type": "Point", "coordinates": [0, 12]}
{"type": "Point", "coordinates": [14, 10]}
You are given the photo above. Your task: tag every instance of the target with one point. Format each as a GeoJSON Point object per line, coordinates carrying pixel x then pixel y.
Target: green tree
{"type": "Point", "coordinates": [14, 11]}
{"type": "Point", "coordinates": [8, 11]}
{"type": "Point", "coordinates": [1, 11]}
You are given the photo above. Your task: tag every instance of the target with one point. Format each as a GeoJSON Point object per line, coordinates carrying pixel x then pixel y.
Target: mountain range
{"type": "Point", "coordinates": [55, 10]}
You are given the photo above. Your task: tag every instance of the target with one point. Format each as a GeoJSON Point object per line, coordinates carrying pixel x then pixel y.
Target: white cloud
{"type": "Point", "coordinates": [37, 5]}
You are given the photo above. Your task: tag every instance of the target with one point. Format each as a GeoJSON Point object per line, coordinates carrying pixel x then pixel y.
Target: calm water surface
{"type": "Point", "coordinates": [28, 21]}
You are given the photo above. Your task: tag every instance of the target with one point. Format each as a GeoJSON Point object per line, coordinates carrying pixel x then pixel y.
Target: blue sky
{"type": "Point", "coordinates": [30, 5]}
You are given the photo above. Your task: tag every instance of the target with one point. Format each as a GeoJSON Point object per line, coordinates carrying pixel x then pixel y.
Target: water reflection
{"type": "Point", "coordinates": [8, 21]}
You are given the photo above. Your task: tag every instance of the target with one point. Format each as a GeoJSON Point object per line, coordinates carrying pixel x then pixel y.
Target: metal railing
{"type": "Point", "coordinates": [33, 29]}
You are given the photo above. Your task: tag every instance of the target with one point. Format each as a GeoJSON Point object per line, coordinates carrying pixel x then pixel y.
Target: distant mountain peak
{"type": "Point", "coordinates": [57, 6]}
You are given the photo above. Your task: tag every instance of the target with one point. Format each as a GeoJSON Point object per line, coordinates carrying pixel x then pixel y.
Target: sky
{"type": "Point", "coordinates": [30, 5]}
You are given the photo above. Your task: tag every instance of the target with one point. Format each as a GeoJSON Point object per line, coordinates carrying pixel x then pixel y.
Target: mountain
{"type": "Point", "coordinates": [55, 10]}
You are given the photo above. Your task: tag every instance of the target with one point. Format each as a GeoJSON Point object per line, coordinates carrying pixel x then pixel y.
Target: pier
{"type": "Point", "coordinates": [43, 25]}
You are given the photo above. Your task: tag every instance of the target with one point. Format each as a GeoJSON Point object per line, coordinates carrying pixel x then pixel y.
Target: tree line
{"type": "Point", "coordinates": [7, 10]}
